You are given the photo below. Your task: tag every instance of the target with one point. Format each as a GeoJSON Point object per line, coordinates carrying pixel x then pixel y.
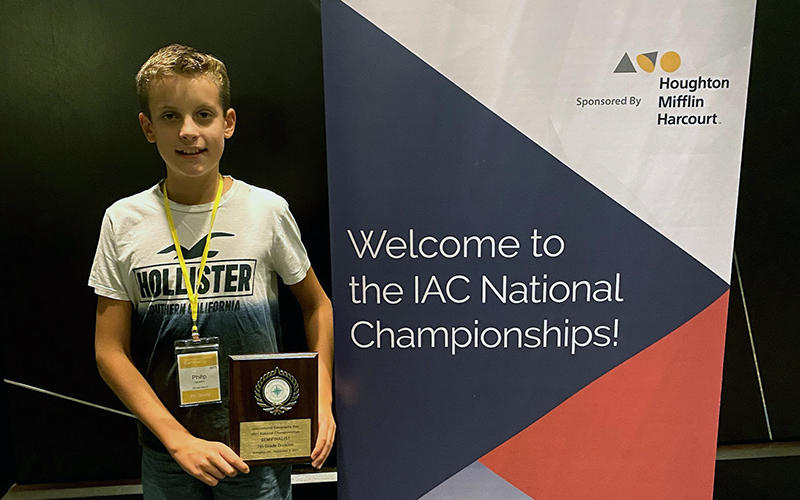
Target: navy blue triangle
{"type": "Point", "coordinates": [408, 149]}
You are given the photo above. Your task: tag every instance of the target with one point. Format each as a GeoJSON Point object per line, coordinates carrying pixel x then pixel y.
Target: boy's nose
{"type": "Point", "coordinates": [188, 129]}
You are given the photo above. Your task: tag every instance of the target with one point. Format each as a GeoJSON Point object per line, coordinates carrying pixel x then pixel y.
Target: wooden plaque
{"type": "Point", "coordinates": [273, 407]}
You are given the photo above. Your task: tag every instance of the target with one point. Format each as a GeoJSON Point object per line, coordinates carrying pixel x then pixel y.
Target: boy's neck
{"type": "Point", "coordinates": [196, 191]}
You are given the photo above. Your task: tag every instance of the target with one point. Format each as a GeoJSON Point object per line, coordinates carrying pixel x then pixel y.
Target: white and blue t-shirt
{"type": "Point", "coordinates": [254, 240]}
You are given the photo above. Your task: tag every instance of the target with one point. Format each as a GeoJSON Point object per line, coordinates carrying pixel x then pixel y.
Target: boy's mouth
{"type": "Point", "coordinates": [191, 151]}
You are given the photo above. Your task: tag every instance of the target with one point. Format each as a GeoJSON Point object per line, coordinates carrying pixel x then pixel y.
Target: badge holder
{"type": "Point", "coordinates": [198, 358]}
{"type": "Point", "coordinates": [198, 371]}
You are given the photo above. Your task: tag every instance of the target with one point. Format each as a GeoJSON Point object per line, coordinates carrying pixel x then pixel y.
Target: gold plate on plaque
{"type": "Point", "coordinates": [274, 439]}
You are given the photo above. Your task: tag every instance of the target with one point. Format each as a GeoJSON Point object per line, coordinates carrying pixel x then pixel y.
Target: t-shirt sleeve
{"type": "Point", "coordinates": [105, 277]}
{"type": "Point", "coordinates": [289, 256]}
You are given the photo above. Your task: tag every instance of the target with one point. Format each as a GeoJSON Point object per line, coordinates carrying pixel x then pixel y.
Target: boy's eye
{"type": "Point", "coordinates": [205, 115]}
{"type": "Point", "coordinates": [169, 116]}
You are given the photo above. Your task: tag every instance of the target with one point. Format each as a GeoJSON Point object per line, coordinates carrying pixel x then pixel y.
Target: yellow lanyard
{"type": "Point", "coordinates": [192, 292]}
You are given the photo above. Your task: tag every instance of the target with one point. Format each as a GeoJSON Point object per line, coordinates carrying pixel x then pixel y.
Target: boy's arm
{"type": "Point", "coordinates": [318, 321]}
{"type": "Point", "coordinates": [208, 461]}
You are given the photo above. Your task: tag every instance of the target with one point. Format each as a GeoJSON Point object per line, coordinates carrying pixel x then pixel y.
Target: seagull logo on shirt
{"type": "Point", "coordinates": [197, 249]}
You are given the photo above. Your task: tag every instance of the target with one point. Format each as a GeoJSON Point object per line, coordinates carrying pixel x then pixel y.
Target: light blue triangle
{"type": "Point", "coordinates": [475, 482]}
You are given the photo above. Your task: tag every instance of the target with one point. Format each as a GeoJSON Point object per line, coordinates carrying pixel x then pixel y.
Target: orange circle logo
{"type": "Point", "coordinates": [647, 61]}
{"type": "Point", "coordinates": [670, 61]}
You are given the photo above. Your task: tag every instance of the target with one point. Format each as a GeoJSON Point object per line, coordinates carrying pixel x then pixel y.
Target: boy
{"type": "Point", "coordinates": [238, 237]}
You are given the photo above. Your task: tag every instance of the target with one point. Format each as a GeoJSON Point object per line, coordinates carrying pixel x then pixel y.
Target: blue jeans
{"type": "Point", "coordinates": [163, 479]}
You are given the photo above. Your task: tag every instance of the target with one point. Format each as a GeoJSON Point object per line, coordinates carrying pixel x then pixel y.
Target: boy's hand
{"type": "Point", "coordinates": [208, 461]}
{"type": "Point", "coordinates": [327, 431]}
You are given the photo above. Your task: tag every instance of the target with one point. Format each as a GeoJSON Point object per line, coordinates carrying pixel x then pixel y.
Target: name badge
{"type": "Point", "coordinates": [198, 371]}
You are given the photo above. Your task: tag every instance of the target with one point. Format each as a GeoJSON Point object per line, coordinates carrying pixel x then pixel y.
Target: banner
{"type": "Point", "coordinates": [532, 215]}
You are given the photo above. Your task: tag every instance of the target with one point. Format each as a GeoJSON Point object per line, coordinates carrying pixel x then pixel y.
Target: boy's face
{"type": "Point", "coordinates": [188, 125]}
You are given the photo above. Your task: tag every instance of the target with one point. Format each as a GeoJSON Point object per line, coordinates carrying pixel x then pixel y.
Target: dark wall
{"type": "Point", "coordinates": [767, 239]}
{"type": "Point", "coordinates": [73, 146]}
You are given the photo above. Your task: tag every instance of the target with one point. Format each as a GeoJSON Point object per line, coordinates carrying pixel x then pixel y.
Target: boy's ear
{"type": "Point", "coordinates": [147, 127]}
{"type": "Point", "coordinates": [230, 122]}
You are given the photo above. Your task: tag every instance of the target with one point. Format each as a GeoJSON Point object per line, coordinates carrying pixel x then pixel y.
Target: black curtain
{"type": "Point", "coordinates": [72, 146]}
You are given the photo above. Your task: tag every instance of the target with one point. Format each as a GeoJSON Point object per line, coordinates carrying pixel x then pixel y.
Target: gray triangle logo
{"type": "Point", "coordinates": [625, 65]}
{"type": "Point", "coordinates": [652, 56]}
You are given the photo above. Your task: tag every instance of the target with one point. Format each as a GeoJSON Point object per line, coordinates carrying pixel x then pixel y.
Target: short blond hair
{"type": "Point", "coordinates": [177, 59]}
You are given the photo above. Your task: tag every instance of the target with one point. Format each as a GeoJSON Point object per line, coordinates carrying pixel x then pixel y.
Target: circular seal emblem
{"type": "Point", "coordinates": [277, 391]}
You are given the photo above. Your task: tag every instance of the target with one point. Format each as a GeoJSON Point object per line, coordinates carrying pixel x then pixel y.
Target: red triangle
{"type": "Point", "coordinates": [645, 430]}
